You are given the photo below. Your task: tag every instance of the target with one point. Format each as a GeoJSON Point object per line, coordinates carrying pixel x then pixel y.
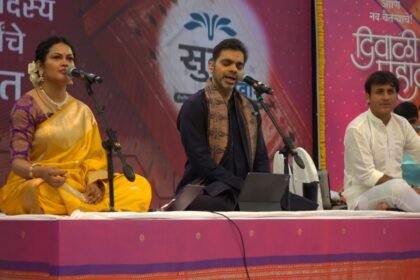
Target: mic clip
{"type": "Point", "coordinates": [91, 78]}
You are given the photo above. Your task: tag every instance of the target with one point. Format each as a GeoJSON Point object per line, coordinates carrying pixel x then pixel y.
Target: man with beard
{"type": "Point", "coordinates": [221, 133]}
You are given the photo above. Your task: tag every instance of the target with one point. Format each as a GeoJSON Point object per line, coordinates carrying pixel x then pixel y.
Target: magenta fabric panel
{"type": "Point", "coordinates": [151, 246]}
{"type": "Point", "coordinates": [183, 241]}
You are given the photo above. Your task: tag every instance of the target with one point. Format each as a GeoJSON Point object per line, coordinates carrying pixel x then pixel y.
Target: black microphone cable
{"type": "Point", "coordinates": [242, 242]}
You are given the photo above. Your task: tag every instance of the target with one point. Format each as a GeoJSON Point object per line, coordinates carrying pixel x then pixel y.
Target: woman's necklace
{"type": "Point", "coordinates": [58, 105]}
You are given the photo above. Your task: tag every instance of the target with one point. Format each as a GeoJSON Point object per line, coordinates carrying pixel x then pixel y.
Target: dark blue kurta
{"type": "Point", "coordinates": [229, 174]}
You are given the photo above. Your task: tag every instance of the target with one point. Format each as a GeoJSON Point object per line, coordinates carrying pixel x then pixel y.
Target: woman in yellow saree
{"type": "Point", "coordinates": [58, 163]}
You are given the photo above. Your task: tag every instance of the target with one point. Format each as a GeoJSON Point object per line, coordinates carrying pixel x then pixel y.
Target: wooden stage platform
{"type": "Point", "coordinates": [201, 245]}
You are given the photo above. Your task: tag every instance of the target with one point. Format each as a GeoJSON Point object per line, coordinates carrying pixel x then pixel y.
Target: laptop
{"type": "Point", "coordinates": [184, 198]}
{"type": "Point", "coordinates": [263, 192]}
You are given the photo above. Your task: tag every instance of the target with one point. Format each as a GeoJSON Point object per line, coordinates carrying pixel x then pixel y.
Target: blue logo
{"type": "Point", "coordinates": [213, 24]}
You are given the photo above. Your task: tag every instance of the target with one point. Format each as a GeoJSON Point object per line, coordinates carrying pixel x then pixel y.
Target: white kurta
{"type": "Point", "coordinates": [372, 149]}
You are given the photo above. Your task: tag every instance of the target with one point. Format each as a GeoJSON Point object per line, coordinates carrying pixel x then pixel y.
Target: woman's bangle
{"type": "Point", "coordinates": [31, 169]}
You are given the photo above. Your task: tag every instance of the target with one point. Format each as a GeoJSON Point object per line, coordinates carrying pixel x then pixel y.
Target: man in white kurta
{"type": "Point", "coordinates": [375, 142]}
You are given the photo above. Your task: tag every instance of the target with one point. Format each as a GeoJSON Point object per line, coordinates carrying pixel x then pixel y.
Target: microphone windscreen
{"type": "Point", "coordinates": [251, 81]}
{"type": "Point", "coordinates": [70, 70]}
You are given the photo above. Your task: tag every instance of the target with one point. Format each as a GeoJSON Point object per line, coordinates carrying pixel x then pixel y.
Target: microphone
{"type": "Point", "coordinates": [78, 73]}
{"type": "Point", "coordinates": [257, 85]}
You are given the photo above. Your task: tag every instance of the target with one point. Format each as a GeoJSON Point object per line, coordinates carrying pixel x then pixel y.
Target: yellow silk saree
{"type": "Point", "coordinates": [70, 139]}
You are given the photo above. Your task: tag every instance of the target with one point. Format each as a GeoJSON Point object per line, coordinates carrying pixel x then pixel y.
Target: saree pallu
{"type": "Point", "coordinates": [70, 140]}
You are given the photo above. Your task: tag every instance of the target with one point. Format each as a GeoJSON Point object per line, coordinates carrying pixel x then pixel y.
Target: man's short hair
{"type": "Point", "coordinates": [407, 110]}
{"type": "Point", "coordinates": [230, 44]}
{"type": "Point", "coordinates": [382, 78]}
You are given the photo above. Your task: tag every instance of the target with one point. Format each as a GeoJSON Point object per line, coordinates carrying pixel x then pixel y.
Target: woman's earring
{"type": "Point", "coordinates": [41, 76]}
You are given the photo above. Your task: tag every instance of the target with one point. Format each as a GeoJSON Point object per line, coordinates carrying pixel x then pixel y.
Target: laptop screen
{"type": "Point", "coordinates": [263, 192]}
{"type": "Point", "coordinates": [184, 198]}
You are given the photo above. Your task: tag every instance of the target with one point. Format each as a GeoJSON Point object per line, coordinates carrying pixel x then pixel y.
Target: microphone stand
{"type": "Point", "coordinates": [288, 148]}
{"type": "Point", "coordinates": [111, 144]}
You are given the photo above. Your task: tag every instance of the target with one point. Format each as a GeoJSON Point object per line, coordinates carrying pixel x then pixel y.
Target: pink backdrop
{"type": "Point", "coordinates": [140, 47]}
{"type": "Point", "coordinates": [360, 38]}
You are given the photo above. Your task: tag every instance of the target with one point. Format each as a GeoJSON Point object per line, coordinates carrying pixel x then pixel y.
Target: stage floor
{"type": "Point", "coordinates": [336, 244]}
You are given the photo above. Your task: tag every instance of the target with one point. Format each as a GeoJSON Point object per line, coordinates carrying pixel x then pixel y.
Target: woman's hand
{"type": "Point", "coordinates": [94, 192]}
{"type": "Point", "coordinates": [51, 174]}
